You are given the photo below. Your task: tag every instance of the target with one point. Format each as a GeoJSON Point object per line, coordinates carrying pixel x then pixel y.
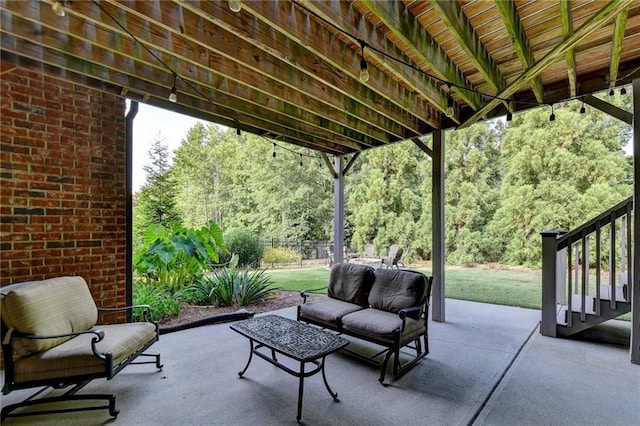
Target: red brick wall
{"type": "Point", "coordinates": [63, 193]}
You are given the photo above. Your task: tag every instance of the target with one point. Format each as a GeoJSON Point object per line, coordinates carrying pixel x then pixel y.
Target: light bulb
{"type": "Point", "coordinates": [58, 8]}
{"type": "Point", "coordinates": [364, 72]}
{"type": "Point", "coordinates": [235, 5]}
{"type": "Point", "coordinates": [173, 96]}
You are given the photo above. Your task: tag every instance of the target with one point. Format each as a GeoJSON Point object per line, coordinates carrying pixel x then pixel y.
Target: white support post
{"type": "Point", "coordinates": [438, 252]}
{"type": "Point", "coordinates": [634, 273]}
{"type": "Point", "coordinates": [338, 209]}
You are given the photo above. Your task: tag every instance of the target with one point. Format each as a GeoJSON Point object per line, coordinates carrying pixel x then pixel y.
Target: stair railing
{"type": "Point", "coordinates": [566, 257]}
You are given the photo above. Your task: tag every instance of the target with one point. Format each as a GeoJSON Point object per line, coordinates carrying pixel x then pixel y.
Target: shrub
{"type": "Point", "coordinates": [175, 257]}
{"type": "Point", "coordinates": [230, 286]}
{"type": "Point", "coordinates": [247, 245]}
{"type": "Point", "coordinates": [281, 255]}
{"type": "Point", "coordinates": [163, 302]}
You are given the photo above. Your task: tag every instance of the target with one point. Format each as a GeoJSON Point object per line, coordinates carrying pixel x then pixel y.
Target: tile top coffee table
{"type": "Point", "coordinates": [293, 339]}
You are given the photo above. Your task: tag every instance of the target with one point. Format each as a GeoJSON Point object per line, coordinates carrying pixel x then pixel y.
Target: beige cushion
{"type": "Point", "coordinates": [351, 283]}
{"type": "Point", "coordinates": [74, 357]}
{"type": "Point", "coordinates": [396, 289]}
{"type": "Point", "coordinates": [48, 307]}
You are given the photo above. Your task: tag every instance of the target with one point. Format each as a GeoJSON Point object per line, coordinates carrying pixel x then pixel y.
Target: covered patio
{"type": "Point", "coordinates": [339, 77]}
{"type": "Point", "coordinates": [488, 366]}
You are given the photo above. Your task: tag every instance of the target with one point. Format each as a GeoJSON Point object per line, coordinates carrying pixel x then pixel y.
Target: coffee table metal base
{"type": "Point", "coordinates": [319, 367]}
{"type": "Point", "coordinates": [300, 342]}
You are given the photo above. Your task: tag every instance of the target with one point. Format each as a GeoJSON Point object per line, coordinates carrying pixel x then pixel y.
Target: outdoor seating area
{"type": "Point", "coordinates": [488, 365]}
{"type": "Point", "coordinates": [384, 307]}
{"type": "Point", "coordinates": [50, 339]}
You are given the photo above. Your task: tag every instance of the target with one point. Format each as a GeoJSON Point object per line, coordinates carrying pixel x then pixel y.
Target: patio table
{"type": "Point", "coordinates": [293, 339]}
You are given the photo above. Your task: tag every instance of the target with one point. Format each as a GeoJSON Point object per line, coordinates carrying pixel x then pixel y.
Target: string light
{"type": "Point", "coordinates": [612, 92]}
{"type": "Point", "coordinates": [582, 108]}
{"type": "Point", "coordinates": [300, 160]}
{"type": "Point", "coordinates": [552, 117]}
{"type": "Point", "coordinates": [58, 7]}
{"type": "Point", "coordinates": [623, 91]}
{"type": "Point", "coordinates": [364, 72]}
{"type": "Point", "coordinates": [509, 116]}
{"type": "Point", "coordinates": [274, 150]}
{"type": "Point", "coordinates": [450, 110]}
{"type": "Point", "coordinates": [173, 96]}
{"type": "Point", "coordinates": [235, 5]}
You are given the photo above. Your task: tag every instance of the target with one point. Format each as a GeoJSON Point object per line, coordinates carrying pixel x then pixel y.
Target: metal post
{"type": "Point", "coordinates": [634, 273]}
{"type": "Point", "coordinates": [438, 255]}
{"type": "Point", "coordinates": [133, 111]}
{"type": "Point", "coordinates": [338, 209]}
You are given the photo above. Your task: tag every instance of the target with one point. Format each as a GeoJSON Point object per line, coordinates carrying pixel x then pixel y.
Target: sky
{"type": "Point", "coordinates": [150, 124]}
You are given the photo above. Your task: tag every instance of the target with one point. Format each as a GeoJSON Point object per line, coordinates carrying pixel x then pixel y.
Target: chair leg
{"type": "Point", "coordinates": [7, 411]}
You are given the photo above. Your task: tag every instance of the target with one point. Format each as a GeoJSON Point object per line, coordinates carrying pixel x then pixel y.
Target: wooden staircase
{"type": "Point", "coordinates": [586, 273]}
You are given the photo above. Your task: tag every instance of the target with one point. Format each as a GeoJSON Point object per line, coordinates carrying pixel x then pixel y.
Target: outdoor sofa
{"type": "Point", "coordinates": [50, 339]}
{"type": "Point", "coordinates": [387, 307]}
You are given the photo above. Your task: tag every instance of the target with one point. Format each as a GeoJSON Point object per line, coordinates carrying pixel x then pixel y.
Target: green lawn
{"type": "Point", "coordinates": [480, 285]}
{"type": "Point", "coordinates": [500, 287]}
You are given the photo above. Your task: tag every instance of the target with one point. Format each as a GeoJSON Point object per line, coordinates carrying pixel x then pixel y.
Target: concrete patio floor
{"type": "Point", "coordinates": [488, 365]}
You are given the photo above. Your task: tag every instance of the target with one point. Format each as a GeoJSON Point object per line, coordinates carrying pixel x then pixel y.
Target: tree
{"type": "Point", "coordinates": [384, 199]}
{"type": "Point", "coordinates": [156, 201]}
{"type": "Point", "coordinates": [557, 175]}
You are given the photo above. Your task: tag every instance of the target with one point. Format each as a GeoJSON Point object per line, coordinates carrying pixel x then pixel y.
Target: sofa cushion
{"type": "Point", "coordinates": [380, 325]}
{"type": "Point", "coordinates": [351, 282]}
{"type": "Point", "coordinates": [48, 307]}
{"type": "Point", "coordinates": [327, 311]}
{"type": "Point", "coordinates": [395, 289]}
{"type": "Point", "coordinates": [75, 357]}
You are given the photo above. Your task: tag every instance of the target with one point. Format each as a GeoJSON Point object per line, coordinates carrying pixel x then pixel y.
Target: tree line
{"type": "Point", "coordinates": [505, 182]}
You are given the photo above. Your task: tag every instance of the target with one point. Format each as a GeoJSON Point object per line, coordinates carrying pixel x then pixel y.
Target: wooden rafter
{"type": "Point", "coordinates": [456, 21]}
{"type": "Point", "coordinates": [348, 19]}
{"type": "Point", "coordinates": [117, 69]}
{"type": "Point", "coordinates": [265, 68]}
{"type": "Point", "coordinates": [392, 14]}
{"type": "Point", "coordinates": [616, 46]}
{"type": "Point", "coordinates": [567, 31]}
{"type": "Point", "coordinates": [324, 47]}
{"type": "Point", "coordinates": [513, 25]}
{"type": "Point", "coordinates": [604, 15]}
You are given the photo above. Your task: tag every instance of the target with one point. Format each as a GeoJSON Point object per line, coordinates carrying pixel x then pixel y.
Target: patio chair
{"type": "Point", "coordinates": [329, 253]}
{"type": "Point", "coordinates": [394, 258]}
{"type": "Point", "coordinates": [50, 338]}
{"type": "Point", "coordinates": [369, 251]}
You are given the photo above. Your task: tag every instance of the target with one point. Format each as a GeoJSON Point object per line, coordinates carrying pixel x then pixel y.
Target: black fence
{"type": "Point", "coordinates": [309, 249]}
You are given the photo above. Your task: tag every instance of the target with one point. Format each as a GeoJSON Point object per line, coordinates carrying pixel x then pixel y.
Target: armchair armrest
{"type": "Point", "coordinates": [404, 312]}
{"type": "Point", "coordinates": [305, 293]}
{"type": "Point", "coordinates": [98, 336]}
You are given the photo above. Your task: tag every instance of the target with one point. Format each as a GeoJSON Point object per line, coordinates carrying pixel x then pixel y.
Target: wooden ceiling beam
{"type": "Point", "coordinates": [513, 24]}
{"type": "Point", "coordinates": [270, 62]}
{"type": "Point", "coordinates": [457, 22]}
{"type": "Point", "coordinates": [392, 14]}
{"type": "Point", "coordinates": [567, 31]}
{"type": "Point", "coordinates": [599, 19]}
{"type": "Point", "coordinates": [609, 109]}
{"type": "Point", "coordinates": [305, 96]}
{"type": "Point", "coordinates": [242, 93]}
{"type": "Point", "coordinates": [326, 59]}
{"type": "Point", "coordinates": [616, 46]}
{"type": "Point", "coordinates": [344, 16]}
{"type": "Point", "coordinates": [111, 68]}
{"type": "Point", "coordinates": [222, 108]}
